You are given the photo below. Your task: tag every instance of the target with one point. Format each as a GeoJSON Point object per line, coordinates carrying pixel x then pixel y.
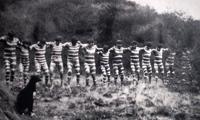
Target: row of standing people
{"type": "Point", "coordinates": [89, 49]}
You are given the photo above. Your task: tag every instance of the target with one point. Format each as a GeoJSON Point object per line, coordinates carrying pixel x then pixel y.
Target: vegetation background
{"type": "Point", "coordinates": [105, 20]}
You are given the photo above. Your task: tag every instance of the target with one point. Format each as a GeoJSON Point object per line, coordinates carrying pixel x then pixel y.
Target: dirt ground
{"type": "Point", "coordinates": [155, 101]}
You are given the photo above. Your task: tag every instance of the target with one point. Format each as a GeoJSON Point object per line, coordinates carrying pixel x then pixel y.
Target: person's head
{"type": "Point", "coordinates": [74, 40]}
{"type": "Point", "coordinates": [11, 35]}
{"type": "Point", "coordinates": [148, 45]}
{"type": "Point", "coordinates": [105, 48]}
{"type": "Point", "coordinates": [58, 39]}
{"type": "Point", "coordinates": [42, 42]}
{"type": "Point", "coordinates": [26, 43]}
{"type": "Point", "coordinates": [134, 44]}
{"type": "Point", "coordinates": [159, 46]}
{"type": "Point", "coordinates": [90, 42]}
{"type": "Point", "coordinates": [119, 43]}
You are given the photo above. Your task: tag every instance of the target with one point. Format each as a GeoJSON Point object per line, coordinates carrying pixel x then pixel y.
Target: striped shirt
{"type": "Point", "coordinates": [24, 52]}
{"type": "Point", "coordinates": [90, 54]}
{"type": "Point", "coordinates": [118, 54]}
{"type": "Point", "coordinates": [159, 55]}
{"type": "Point", "coordinates": [146, 56]}
{"type": "Point", "coordinates": [73, 51]}
{"type": "Point", "coordinates": [56, 51]}
{"type": "Point", "coordinates": [104, 57]}
{"type": "Point", "coordinates": [10, 47]}
{"type": "Point", "coordinates": [39, 52]}
{"type": "Point", "coordinates": [170, 58]}
{"type": "Point", "coordinates": [135, 54]}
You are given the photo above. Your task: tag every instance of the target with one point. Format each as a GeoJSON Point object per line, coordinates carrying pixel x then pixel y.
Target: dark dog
{"type": "Point", "coordinates": [24, 102]}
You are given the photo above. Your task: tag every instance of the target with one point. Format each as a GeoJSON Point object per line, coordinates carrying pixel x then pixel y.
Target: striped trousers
{"type": "Point", "coordinates": [10, 67]}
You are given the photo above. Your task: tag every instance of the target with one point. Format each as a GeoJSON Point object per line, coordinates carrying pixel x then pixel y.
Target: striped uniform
{"type": "Point", "coordinates": [146, 65]}
{"type": "Point", "coordinates": [117, 60]}
{"type": "Point", "coordinates": [170, 63]}
{"type": "Point", "coordinates": [158, 61]}
{"type": "Point", "coordinates": [40, 59]}
{"type": "Point", "coordinates": [104, 62]}
{"type": "Point", "coordinates": [135, 63]}
{"type": "Point", "coordinates": [10, 56]}
{"type": "Point", "coordinates": [73, 57]}
{"type": "Point", "coordinates": [90, 66]}
{"type": "Point", "coordinates": [56, 56]}
{"type": "Point", "coordinates": [24, 58]}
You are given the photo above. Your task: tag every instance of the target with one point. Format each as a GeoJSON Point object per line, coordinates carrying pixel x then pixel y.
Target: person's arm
{"type": "Point", "coordinates": [112, 48]}
{"type": "Point", "coordinates": [49, 44]}
{"type": "Point", "coordinates": [84, 45]}
{"type": "Point", "coordinates": [66, 44]}
{"type": "Point", "coordinates": [153, 50]}
{"type": "Point", "coordinates": [17, 40]}
{"type": "Point", "coordinates": [126, 49]}
{"type": "Point", "coordinates": [140, 48]}
{"type": "Point", "coordinates": [32, 46]}
{"type": "Point", "coordinates": [2, 38]}
{"type": "Point", "coordinates": [165, 49]}
{"type": "Point", "coordinates": [99, 50]}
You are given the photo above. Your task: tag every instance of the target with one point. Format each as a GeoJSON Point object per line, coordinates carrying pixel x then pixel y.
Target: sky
{"type": "Point", "coordinates": [189, 7]}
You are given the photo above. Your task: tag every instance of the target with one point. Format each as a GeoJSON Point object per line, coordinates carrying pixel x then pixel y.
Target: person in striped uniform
{"type": "Point", "coordinates": [134, 60]}
{"type": "Point", "coordinates": [118, 67]}
{"type": "Point", "coordinates": [24, 60]}
{"type": "Point", "coordinates": [73, 58]}
{"type": "Point", "coordinates": [56, 58]}
{"type": "Point", "coordinates": [11, 43]}
{"type": "Point", "coordinates": [146, 63]}
{"type": "Point", "coordinates": [40, 59]}
{"type": "Point", "coordinates": [90, 65]}
{"type": "Point", "coordinates": [104, 62]}
{"type": "Point", "coordinates": [158, 61]}
{"type": "Point", "coordinates": [170, 63]}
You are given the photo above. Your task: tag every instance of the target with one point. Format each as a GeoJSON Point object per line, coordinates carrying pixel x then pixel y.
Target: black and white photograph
{"type": "Point", "coordinates": [99, 59]}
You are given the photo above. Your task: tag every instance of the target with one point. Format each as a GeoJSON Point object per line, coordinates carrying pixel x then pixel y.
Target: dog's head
{"type": "Point", "coordinates": [35, 79]}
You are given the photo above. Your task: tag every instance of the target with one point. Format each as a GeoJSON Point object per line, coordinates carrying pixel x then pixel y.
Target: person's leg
{"type": "Point", "coordinates": [167, 69]}
{"type": "Point", "coordinates": [61, 68]}
{"type": "Point", "coordinates": [121, 72]}
{"type": "Point", "coordinates": [103, 69]}
{"type": "Point", "coordinates": [172, 69]}
{"type": "Point", "coordinates": [69, 71]}
{"type": "Point", "coordinates": [156, 67]}
{"type": "Point", "coordinates": [145, 72]}
{"type": "Point", "coordinates": [26, 65]}
{"type": "Point", "coordinates": [108, 73]}
{"type": "Point", "coordinates": [7, 69]}
{"type": "Point", "coordinates": [77, 69]}
{"type": "Point", "coordinates": [46, 71]}
{"type": "Point", "coordinates": [137, 72]}
{"type": "Point", "coordinates": [116, 72]}
{"type": "Point", "coordinates": [52, 68]}
{"type": "Point", "coordinates": [149, 70]}
{"type": "Point", "coordinates": [21, 70]}
{"type": "Point", "coordinates": [133, 71]}
{"type": "Point", "coordinates": [13, 69]}
{"type": "Point", "coordinates": [162, 72]}
{"type": "Point", "coordinates": [38, 67]}
{"type": "Point", "coordinates": [93, 73]}
{"type": "Point", "coordinates": [87, 71]}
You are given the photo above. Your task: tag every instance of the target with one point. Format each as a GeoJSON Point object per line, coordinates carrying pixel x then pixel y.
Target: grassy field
{"type": "Point", "coordinates": [155, 101]}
